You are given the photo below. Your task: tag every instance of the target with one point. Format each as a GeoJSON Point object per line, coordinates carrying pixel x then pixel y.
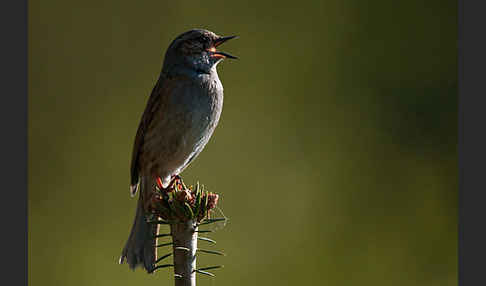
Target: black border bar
{"type": "Point", "coordinates": [13, 122]}
{"type": "Point", "coordinates": [472, 142]}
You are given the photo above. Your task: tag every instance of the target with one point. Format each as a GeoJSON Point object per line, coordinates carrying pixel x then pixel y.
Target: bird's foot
{"type": "Point", "coordinates": [176, 181]}
{"type": "Point", "coordinates": [159, 183]}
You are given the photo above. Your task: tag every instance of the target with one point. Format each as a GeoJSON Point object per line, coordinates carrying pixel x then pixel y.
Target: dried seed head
{"type": "Point", "coordinates": [212, 200]}
{"type": "Point", "coordinates": [184, 196]}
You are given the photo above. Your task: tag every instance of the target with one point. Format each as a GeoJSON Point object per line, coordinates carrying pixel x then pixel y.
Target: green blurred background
{"type": "Point", "coordinates": [335, 156]}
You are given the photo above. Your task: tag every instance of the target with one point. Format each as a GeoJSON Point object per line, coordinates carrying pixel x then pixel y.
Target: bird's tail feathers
{"type": "Point", "coordinates": [140, 246]}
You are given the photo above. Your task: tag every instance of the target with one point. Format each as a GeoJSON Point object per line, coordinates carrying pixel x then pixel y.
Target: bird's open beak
{"type": "Point", "coordinates": [219, 54]}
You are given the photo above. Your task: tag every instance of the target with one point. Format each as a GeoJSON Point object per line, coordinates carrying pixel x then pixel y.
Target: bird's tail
{"type": "Point", "coordinates": [140, 247]}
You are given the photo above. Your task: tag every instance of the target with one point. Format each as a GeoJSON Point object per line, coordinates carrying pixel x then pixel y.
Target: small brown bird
{"type": "Point", "coordinates": [180, 117]}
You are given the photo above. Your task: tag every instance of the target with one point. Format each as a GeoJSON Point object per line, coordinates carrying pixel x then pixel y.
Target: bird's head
{"type": "Point", "coordinates": [196, 50]}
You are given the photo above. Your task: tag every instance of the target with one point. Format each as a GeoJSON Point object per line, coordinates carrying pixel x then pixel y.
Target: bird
{"type": "Point", "coordinates": [180, 117]}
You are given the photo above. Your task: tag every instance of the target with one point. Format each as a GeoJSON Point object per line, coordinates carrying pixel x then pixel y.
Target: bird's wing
{"type": "Point", "coordinates": [150, 109]}
{"type": "Point", "coordinates": [163, 89]}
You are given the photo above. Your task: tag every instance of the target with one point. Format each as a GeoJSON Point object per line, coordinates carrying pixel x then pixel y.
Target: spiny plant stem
{"type": "Point", "coordinates": [184, 237]}
{"type": "Point", "coordinates": [184, 209]}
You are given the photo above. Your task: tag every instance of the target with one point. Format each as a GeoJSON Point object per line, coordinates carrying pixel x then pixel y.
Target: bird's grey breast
{"type": "Point", "coordinates": [196, 105]}
{"type": "Point", "coordinates": [199, 105]}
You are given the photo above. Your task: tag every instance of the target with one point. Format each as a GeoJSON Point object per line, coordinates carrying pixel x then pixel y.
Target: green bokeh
{"type": "Point", "coordinates": [335, 156]}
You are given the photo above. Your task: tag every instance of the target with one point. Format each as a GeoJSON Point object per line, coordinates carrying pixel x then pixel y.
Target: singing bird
{"type": "Point", "coordinates": [180, 117]}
